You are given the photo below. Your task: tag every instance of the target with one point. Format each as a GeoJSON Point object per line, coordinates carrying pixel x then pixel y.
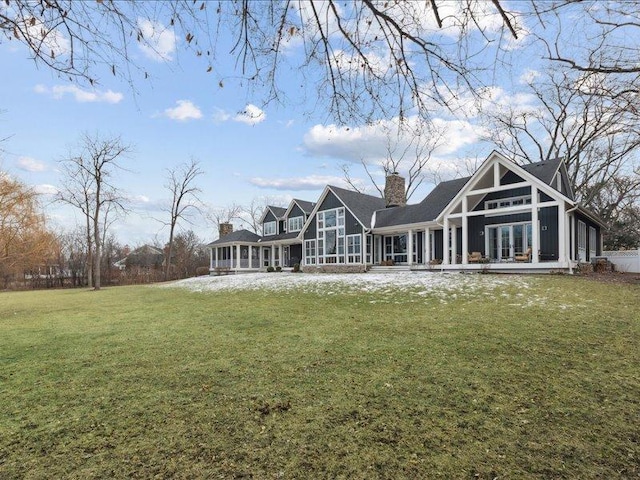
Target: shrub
{"type": "Point", "coordinates": [202, 271]}
{"type": "Point", "coordinates": [270, 269]}
{"type": "Point", "coordinates": [278, 268]}
{"type": "Point", "coordinates": [296, 267]}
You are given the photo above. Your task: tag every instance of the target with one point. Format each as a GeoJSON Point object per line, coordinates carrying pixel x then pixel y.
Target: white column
{"type": "Point", "coordinates": [454, 244]}
{"type": "Point", "coordinates": [237, 256]}
{"type": "Point", "coordinates": [465, 232]}
{"type": "Point", "coordinates": [427, 246]}
{"type": "Point", "coordinates": [496, 174]}
{"type": "Point", "coordinates": [535, 226]}
{"type": "Point", "coordinates": [562, 234]}
{"type": "Point", "coordinates": [280, 259]}
{"type": "Point", "coordinates": [211, 258]}
{"type": "Point", "coordinates": [272, 256]}
{"type": "Point", "coordinates": [410, 247]}
{"type": "Point", "coordinates": [445, 242]}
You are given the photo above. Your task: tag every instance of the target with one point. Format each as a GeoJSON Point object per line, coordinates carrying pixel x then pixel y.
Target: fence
{"type": "Point", "coordinates": [625, 260]}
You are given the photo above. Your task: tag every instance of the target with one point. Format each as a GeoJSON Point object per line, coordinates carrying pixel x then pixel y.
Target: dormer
{"type": "Point", "coordinates": [297, 214]}
{"type": "Point", "coordinates": [272, 221]}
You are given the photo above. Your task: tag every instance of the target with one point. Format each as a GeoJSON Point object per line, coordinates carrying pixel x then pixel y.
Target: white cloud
{"type": "Point", "coordinates": [54, 43]}
{"type": "Point", "coordinates": [251, 115]}
{"type": "Point", "coordinates": [29, 164]}
{"type": "Point", "coordinates": [311, 182]}
{"type": "Point", "coordinates": [45, 189]}
{"type": "Point", "coordinates": [220, 116]}
{"type": "Point", "coordinates": [80, 95]}
{"type": "Point", "coordinates": [184, 110]}
{"type": "Point", "coordinates": [159, 42]}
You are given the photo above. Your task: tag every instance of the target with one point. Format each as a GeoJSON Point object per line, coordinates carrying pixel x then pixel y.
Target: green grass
{"type": "Point", "coordinates": [143, 382]}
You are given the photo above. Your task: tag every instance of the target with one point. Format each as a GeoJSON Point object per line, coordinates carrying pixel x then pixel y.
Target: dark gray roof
{"type": "Point", "coordinates": [425, 211]}
{"type": "Point", "coordinates": [235, 237]}
{"type": "Point", "coordinates": [543, 171]}
{"type": "Point", "coordinates": [278, 211]}
{"type": "Point", "coordinates": [306, 206]}
{"type": "Point", "coordinates": [281, 236]}
{"type": "Point", "coordinates": [360, 204]}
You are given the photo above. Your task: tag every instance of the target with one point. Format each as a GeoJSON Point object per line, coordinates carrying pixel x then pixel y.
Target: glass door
{"type": "Point", "coordinates": [505, 241]}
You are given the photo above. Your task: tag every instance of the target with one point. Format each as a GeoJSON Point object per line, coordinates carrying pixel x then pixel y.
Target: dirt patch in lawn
{"type": "Point", "coordinates": [613, 277]}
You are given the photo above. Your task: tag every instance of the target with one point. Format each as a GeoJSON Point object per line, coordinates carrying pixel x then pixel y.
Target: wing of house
{"type": "Point", "coordinates": [503, 217]}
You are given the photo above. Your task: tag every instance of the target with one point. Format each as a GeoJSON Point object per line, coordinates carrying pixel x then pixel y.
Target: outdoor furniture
{"type": "Point", "coordinates": [475, 257]}
{"type": "Point", "coordinates": [523, 257]}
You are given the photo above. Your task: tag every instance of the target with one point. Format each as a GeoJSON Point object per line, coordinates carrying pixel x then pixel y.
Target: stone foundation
{"type": "Point", "coordinates": [334, 268]}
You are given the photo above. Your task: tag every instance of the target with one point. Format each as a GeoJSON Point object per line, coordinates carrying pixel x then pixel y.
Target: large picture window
{"type": "Point", "coordinates": [269, 228]}
{"type": "Point", "coordinates": [331, 237]}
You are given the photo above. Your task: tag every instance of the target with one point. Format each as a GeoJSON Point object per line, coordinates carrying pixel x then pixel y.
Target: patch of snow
{"type": "Point", "coordinates": [390, 288]}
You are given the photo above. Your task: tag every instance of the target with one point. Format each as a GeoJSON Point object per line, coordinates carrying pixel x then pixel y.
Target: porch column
{"type": "Point", "coordinates": [562, 234]}
{"type": "Point", "coordinates": [261, 256]}
{"type": "Point", "coordinates": [280, 259]}
{"type": "Point", "coordinates": [454, 244]}
{"type": "Point", "coordinates": [272, 256]}
{"type": "Point", "coordinates": [445, 242]}
{"type": "Point", "coordinates": [237, 256]}
{"type": "Point", "coordinates": [427, 245]}
{"type": "Point", "coordinates": [211, 258]}
{"type": "Point", "coordinates": [465, 232]}
{"type": "Point", "coordinates": [535, 226]}
{"type": "Point", "coordinates": [410, 247]}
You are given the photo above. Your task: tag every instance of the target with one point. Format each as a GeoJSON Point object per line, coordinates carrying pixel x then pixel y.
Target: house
{"type": "Point", "coordinates": [504, 217]}
{"type": "Point", "coordinates": [279, 245]}
{"type": "Point", "coordinates": [145, 257]}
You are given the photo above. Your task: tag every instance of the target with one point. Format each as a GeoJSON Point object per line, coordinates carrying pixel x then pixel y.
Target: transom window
{"type": "Point", "coordinates": [295, 224]}
{"type": "Point", "coordinates": [331, 236]}
{"type": "Point", "coordinates": [269, 228]}
{"type": "Point", "coordinates": [507, 202]}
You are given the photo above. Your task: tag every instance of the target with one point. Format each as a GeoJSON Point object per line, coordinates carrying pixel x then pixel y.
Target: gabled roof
{"type": "Point", "coordinates": [244, 236]}
{"type": "Point", "coordinates": [360, 205]}
{"type": "Point", "coordinates": [305, 206]}
{"type": "Point", "coordinates": [544, 171]}
{"type": "Point", "coordinates": [278, 212]}
{"type": "Point", "coordinates": [425, 211]}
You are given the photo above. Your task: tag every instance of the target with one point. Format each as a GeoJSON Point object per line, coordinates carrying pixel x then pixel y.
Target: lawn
{"type": "Point", "coordinates": [482, 376]}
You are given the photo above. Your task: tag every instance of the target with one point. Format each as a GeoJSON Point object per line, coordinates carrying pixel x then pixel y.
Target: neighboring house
{"type": "Point", "coordinates": [504, 217]}
{"type": "Point", "coordinates": [144, 257]}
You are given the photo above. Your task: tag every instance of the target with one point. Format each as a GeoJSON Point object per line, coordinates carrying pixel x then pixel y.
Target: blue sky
{"type": "Point", "coordinates": [247, 150]}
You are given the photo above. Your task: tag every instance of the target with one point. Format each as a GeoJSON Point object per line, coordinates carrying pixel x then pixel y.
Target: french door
{"type": "Point", "coordinates": [505, 241]}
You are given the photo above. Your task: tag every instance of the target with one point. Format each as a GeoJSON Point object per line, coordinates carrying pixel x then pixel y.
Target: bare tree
{"type": "Point", "coordinates": [368, 58]}
{"type": "Point", "coordinates": [183, 195]}
{"type": "Point", "coordinates": [88, 186]}
{"type": "Point", "coordinates": [251, 213]}
{"type": "Point", "coordinates": [408, 152]}
{"type": "Point", "coordinates": [218, 215]}
{"type": "Point", "coordinates": [583, 118]}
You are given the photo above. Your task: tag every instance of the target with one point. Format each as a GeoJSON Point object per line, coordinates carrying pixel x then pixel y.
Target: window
{"type": "Point", "coordinates": [507, 202]}
{"type": "Point", "coordinates": [269, 228]}
{"type": "Point", "coordinates": [354, 249]}
{"type": "Point", "coordinates": [309, 252]}
{"type": "Point", "coordinates": [295, 224]}
{"type": "Point", "coordinates": [369, 250]}
{"type": "Point", "coordinates": [331, 239]}
{"type": "Point", "coordinates": [582, 241]}
{"type": "Point", "coordinates": [592, 242]}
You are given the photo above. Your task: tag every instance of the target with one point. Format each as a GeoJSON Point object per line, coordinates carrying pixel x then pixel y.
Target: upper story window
{"type": "Point", "coordinates": [331, 238]}
{"type": "Point", "coordinates": [295, 224]}
{"type": "Point", "coordinates": [269, 228]}
{"type": "Point", "coordinates": [507, 202]}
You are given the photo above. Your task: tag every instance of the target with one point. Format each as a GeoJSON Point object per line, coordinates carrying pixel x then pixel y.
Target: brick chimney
{"type": "Point", "coordinates": [394, 193]}
{"type": "Point", "coordinates": [225, 229]}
